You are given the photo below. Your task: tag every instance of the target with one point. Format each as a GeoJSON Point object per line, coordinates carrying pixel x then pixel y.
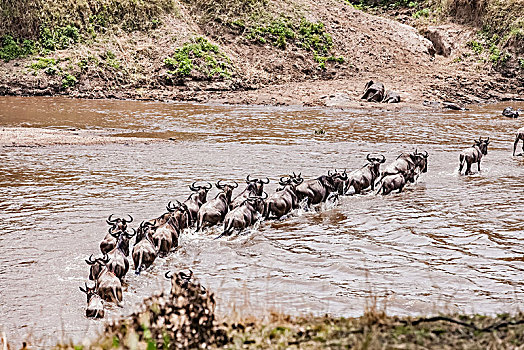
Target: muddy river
{"type": "Point", "coordinates": [448, 243]}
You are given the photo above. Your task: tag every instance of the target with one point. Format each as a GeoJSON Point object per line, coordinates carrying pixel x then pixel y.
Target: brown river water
{"type": "Point", "coordinates": [449, 243]}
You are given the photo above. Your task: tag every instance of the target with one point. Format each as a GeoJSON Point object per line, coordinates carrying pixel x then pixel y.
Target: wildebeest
{"type": "Point", "coordinates": [405, 162]}
{"type": "Point", "coordinates": [96, 265]}
{"type": "Point", "coordinates": [340, 182]}
{"type": "Point", "coordinates": [254, 187]}
{"type": "Point", "coordinates": [366, 176]}
{"type": "Point", "coordinates": [373, 92]}
{"type": "Point", "coordinates": [117, 225]}
{"type": "Point", "coordinates": [215, 210]}
{"type": "Point", "coordinates": [473, 154]}
{"type": "Point", "coordinates": [108, 285]}
{"type": "Point", "coordinates": [118, 262]}
{"type": "Point", "coordinates": [396, 182]}
{"type": "Point", "coordinates": [196, 199]}
{"type": "Point", "coordinates": [95, 306]}
{"type": "Point", "coordinates": [391, 97]}
{"type": "Point", "coordinates": [285, 199]}
{"type": "Point", "coordinates": [144, 251]}
{"type": "Point", "coordinates": [510, 112]}
{"type": "Point", "coordinates": [518, 137]}
{"type": "Point", "coordinates": [317, 190]}
{"type": "Point", "coordinates": [165, 237]}
{"type": "Point", "coordinates": [244, 215]}
{"type": "Point", "coordinates": [181, 278]}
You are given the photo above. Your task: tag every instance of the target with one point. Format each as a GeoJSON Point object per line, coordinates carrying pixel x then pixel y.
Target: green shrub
{"type": "Point", "coordinates": [59, 38]}
{"type": "Point", "coordinates": [421, 13]}
{"type": "Point", "coordinates": [521, 63]}
{"type": "Point", "coordinates": [202, 56]}
{"type": "Point", "coordinates": [12, 48]}
{"type": "Point", "coordinates": [68, 80]}
{"type": "Point", "coordinates": [476, 46]}
{"type": "Point", "coordinates": [310, 36]}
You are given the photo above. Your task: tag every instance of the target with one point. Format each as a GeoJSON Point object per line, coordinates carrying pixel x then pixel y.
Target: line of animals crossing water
{"type": "Point", "coordinates": [160, 236]}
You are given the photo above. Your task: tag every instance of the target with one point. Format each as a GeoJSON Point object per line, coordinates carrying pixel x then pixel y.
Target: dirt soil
{"type": "Point", "coordinates": [374, 48]}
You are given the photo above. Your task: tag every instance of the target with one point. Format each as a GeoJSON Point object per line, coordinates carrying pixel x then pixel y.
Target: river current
{"type": "Point", "coordinates": [448, 243]}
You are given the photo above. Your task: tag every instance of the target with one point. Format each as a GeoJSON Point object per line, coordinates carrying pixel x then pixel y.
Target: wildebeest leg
{"type": "Point", "coordinates": [478, 166]}
{"type": "Point", "coordinates": [516, 143]}
{"type": "Point", "coordinates": [461, 162]}
{"type": "Point", "coordinates": [400, 188]}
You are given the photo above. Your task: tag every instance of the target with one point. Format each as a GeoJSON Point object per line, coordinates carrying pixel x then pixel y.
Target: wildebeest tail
{"type": "Point", "coordinates": [461, 162]}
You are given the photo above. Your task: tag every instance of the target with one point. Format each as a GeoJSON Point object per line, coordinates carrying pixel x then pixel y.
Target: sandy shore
{"type": "Point", "coordinates": [40, 137]}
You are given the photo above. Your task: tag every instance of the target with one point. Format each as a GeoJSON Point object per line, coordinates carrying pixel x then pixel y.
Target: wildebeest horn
{"type": "Point", "coordinates": [127, 221]}
{"type": "Point", "coordinates": [169, 275]}
{"type": "Point", "coordinates": [282, 182]}
{"type": "Point", "coordinates": [248, 180]}
{"type": "Point", "coordinates": [219, 185]}
{"type": "Point", "coordinates": [236, 184]}
{"type": "Point", "coordinates": [208, 188]}
{"type": "Point", "coordinates": [383, 158]}
{"type": "Point", "coordinates": [329, 173]}
{"type": "Point", "coordinates": [265, 182]}
{"type": "Point", "coordinates": [128, 235]}
{"type": "Point", "coordinates": [193, 187]}
{"type": "Point", "coordinates": [104, 259]}
{"type": "Point", "coordinates": [111, 221]}
{"type": "Point", "coordinates": [426, 154]}
{"type": "Point", "coordinates": [170, 207]}
{"type": "Point", "coordinates": [185, 276]}
{"type": "Point", "coordinates": [264, 193]}
{"type": "Point", "coordinates": [90, 261]}
{"type": "Point", "coordinates": [487, 141]}
{"type": "Point", "coordinates": [368, 158]}
{"type": "Point", "coordinates": [84, 290]}
{"type": "Point", "coordinates": [294, 175]}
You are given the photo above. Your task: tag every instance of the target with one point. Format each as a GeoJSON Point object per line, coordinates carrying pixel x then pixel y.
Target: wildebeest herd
{"type": "Point", "coordinates": [160, 236]}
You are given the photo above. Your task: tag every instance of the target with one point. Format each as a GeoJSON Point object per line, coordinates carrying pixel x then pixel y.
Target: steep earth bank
{"type": "Point", "coordinates": [252, 52]}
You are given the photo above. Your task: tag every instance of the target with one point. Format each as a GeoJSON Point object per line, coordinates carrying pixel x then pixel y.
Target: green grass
{"type": "Point", "coordinates": [68, 81]}
{"type": "Point", "coordinates": [201, 56]}
{"type": "Point", "coordinates": [311, 36]}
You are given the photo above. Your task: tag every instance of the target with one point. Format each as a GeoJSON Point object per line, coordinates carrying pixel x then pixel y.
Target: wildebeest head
{"type": "Point", "coordinates": [118, 224]}
{"type": "Point", "coordinates": [182, 279]}
{"type": "Point", "coordinates": [144, 229]}
{"type": "Point", "coordinates": [180, 215]}
{"type": "Point", "coordinates": [375, 162]}
{"type": "Point", "coordinates": [482, 145]}
{"type": "Point", "coordinates": [226, 188]}
{"type": "Point", "coordinates": [258, 201]}
{"type": "Point", "coordinates": [90, 292]}
{"type": "Point", "coordinates": [122, 239]}
{"type": "Point", "coordinates": [201, 191]}
{"type": "Point", "coordinates": [258, 184]}
{"type": "Point", "coordinates": [97, 265]}
{"type": "Point", "coordinates": [421, 161]}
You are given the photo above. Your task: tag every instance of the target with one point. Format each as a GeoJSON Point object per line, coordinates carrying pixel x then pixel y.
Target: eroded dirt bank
{"type": "Point", "coordinates": [268, 60]}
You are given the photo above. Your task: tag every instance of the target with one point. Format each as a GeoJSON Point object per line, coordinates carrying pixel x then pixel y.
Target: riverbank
{"type": "Point", "coordinates": [184, 318]}
{"type": "Point", "coordinates": [269, 53]}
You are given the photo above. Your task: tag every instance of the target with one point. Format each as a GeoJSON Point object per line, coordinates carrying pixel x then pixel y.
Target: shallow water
{"type": "Point", "coordinates": [448, 243]}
